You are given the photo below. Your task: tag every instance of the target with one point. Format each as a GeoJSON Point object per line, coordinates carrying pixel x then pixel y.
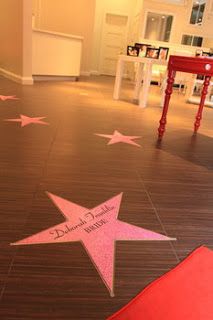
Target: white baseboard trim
{"type": "Point", "coordinates": [95, 73]}
{"type": "Point", "coordinates": [85, 73]}
{"type": "Point", "coordinates": [27, 80]}
{"type": "Point", "coordinates": [54, 78]}
{"type": "Point", "coordinates": [16, 77]}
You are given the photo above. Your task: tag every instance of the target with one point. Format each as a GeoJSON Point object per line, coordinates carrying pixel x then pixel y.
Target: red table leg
{"type": "Point", "coordinates": [202, 101]}
{"type": "Point", "coordinates": [168, 92]}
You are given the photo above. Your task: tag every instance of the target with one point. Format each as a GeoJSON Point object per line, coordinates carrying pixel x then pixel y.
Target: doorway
{"type": "Point", "coordinates": [114, 37]}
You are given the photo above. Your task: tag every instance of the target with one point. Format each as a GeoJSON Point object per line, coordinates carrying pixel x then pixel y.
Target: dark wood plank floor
{"type": "Point", "coordinates": [168, 188]}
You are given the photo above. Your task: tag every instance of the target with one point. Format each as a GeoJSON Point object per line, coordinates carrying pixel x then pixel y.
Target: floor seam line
{"type": "Point", "coordinates": [157, 215]}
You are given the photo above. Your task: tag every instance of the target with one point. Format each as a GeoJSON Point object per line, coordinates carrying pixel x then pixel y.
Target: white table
{"type": "Point", "coordinates": [144, 72]}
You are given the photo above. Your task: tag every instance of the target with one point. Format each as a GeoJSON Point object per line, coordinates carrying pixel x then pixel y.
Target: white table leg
{"type": "Point", "coordinates": [143, 97]}
{"type": "Point", "coordinates": [138, 84]}
{"type": "Point", "coordinates": [118, 79]}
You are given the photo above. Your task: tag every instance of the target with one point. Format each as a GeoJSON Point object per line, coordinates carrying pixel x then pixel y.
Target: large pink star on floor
{"type": "Point", "coordinates": [4, 98]}
{"type": "Point", "coordinates": [25, 120]}
{"type": "Point", "coordinates": [97, 229]}
{"type": "Point", "coordinates": [119, 137]}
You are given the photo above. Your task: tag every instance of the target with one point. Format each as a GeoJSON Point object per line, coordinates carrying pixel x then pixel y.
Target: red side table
{"type": "Point", "coordinates": [201, 65]}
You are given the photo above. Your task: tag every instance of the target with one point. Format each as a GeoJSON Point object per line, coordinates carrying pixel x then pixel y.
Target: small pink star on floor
{"type": "Point", "coordinates": [25, 120]}
{"type": "Point", "coordinates": [97, 229]}
{"type": "Point", "coordinates": [119, 137]}
{"type": "Point", "coordinates": [4, 98]}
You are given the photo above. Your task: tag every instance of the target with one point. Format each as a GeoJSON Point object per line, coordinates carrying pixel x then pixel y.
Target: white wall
{"type": "Point", "coordinates": [16, 40]}
{"type": "Point", "coordinates": [181, 20]}
{"type": "Point", "coordinates": [11, 36]}
{"type": "Point", "coordinates": [71, 17]}
{"type": "Point", "coordinates": [27, 43]}
{"type": "Point", "coordinates": [136, 22]}
{"type": "Point", "coordinates": [207, 42]}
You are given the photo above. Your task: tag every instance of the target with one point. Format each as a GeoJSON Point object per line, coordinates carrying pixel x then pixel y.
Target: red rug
{"type": "Point", "coordinates": [184, 293]}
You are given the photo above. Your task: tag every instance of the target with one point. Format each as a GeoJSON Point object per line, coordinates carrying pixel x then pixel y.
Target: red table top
{"type": "Point", "coordinates": [197, 65]}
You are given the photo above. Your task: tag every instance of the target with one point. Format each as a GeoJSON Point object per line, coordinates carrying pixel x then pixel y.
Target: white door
{"type": "Point", "coordinates": [114, 42]}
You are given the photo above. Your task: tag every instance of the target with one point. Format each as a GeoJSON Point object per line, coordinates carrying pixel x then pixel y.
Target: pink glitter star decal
{"type": "Point", "coordinates": [119, 137]}
{"type": "Point", "coordinates": [97, 229]}
{"type": "Point", "coordinates": [25, 120]}
{"type": "Point", "coordinates": [4, 98]}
